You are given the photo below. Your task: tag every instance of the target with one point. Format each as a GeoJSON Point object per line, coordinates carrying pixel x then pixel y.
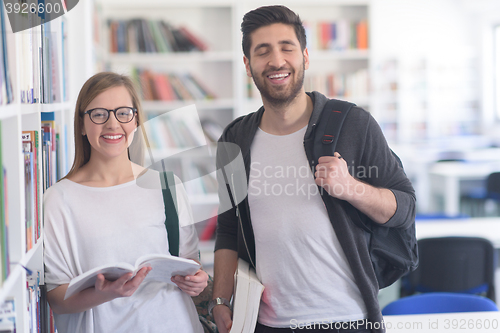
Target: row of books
{"type": "Point", "coordinates": [202, 181]}
{"type": "Point", "coordinates": [8, 316]}
{"type": "Point", "coordinates": [31, 152]}
{"type": "Point", "coordinates": [177, 129]}
{"type": "Point", "coordinates": [156, 86]}
{"type": "Point", "coordinates": [4, 221]}
{"type": "Point", "coordinates": [151, 36]}
{"type": "Point", "coordinates": [39, 312]}
{"type": "Point", "coordinates": [196, 175]}
{"type": "Point", "coordinates": [39, 76]}
{"type": "Point", "coordinates": [339, 35]}
{"type": "Point", "coordinates": [166, 132]}
{"type": "Point", "coordinates": [51, 148]}
{"type": "Point", "coordinates": [355, 84]}
{"type": "Point", "coordinates": [6, 93]}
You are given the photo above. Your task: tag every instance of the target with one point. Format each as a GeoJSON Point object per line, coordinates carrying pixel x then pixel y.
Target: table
{"type": "Point", "coordinates": [486, 227]}
{"type": "Point", "coordinates": [452, 173]}
{"type": "Point", "coordinates": [419, 163]}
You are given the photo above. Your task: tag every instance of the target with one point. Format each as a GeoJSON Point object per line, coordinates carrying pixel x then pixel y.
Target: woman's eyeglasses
{"type": "Point", "coordinates": [123, 114]}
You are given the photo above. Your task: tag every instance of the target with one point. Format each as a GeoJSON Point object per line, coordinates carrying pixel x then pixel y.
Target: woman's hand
{"type": "Point", "coordinates": [125, 286]}
{"type": "Point", "coordinates": [192, 285]}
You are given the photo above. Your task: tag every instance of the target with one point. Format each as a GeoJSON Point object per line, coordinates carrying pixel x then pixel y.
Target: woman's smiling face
{"type": "Point", "coordinates": [112, 138]}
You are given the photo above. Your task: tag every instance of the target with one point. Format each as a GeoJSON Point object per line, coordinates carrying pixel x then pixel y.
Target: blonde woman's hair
{"type": "Point", "coordinates": [91, 89]}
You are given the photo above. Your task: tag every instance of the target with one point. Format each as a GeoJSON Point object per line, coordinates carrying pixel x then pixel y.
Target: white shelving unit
{"type": "Point", "coordinates": [211, 21]}
{"type": "Point", "coordinates": [17, 117]}
{"type": "Point", "coordinates": [425, 70]}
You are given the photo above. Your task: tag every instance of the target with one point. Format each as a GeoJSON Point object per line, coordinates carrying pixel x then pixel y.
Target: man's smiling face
{"type": "Point", "coordinates": [276, 63]}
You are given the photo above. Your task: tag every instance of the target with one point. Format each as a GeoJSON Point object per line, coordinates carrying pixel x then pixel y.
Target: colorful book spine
{"type": "Point", "coordinates": [152, 36]}
{"type": "Point", "coordinates": [339, 35]}
{"type": "Point", "coordinates": [8, 316]}
{"type": "Point", "coordinates": [170, 86]}
{"type": "Point", "coordinates": [5, 80]}
{"type": "Point", "coordinates": [4, 220]}
{"type": "Point", "coordinates": [31, 151]}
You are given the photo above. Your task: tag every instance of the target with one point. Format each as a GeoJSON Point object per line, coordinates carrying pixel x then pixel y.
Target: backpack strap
{"type": "Point", "coordinates": [329, 126]}
{"type": "Point", "coordinates": [171, 217]}
{"type": "Point", "coordinates": [325, 142]}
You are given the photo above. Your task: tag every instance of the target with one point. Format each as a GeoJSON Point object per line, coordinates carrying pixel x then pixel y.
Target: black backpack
{"type": "Point", "coordinates": [393, 251]}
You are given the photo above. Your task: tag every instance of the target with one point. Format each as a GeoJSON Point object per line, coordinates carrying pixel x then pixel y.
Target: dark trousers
{"type": "Point", "coordinates": [359, 327]}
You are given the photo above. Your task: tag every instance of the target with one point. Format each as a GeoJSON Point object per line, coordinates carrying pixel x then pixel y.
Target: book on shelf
{"type": "Point", "coordinates": [353, 84]}
{"type": "Point", "coordinates": [6, 93]}
{"type": "Point", "coordinates": [158, 86]}
{"type": "Point", "coordinates": [4, 220]}
{"type": "Point", "coordinates": [338, 35]}
{"type": "Point", "coordinates": [205, 176]}
{"type": "Point", "coordinates": [31, 151]}
{"type": "Point", "coordinates": [65, 68]}
{"type": "Point", "coordinates": [29, 197]}
{"type": "Point", "coordinates": [246, 298]}
{"type": "Point", "coordinates": [151, 36]}
{"type": "Point", "coordinates": [172, 132]}
{"type": "Point", "coordinates": [50, 150]}
{"type": "Point", "coordinates": [212, 129]}
{"type": "Point", "coordinates": [38, 310]}
{"type": "Point", "coordinates": [197, 42]}
{"type": "Point", "coordinates": [8, 316]}
{"type": "Point", "coordinates": [45, 79]}
{"type": "Point", "coordinates": [164, 267]}
{"type": "Point", "coordinates": [4, 229]}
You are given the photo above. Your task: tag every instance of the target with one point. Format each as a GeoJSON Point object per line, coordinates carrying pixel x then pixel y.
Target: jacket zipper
{"type": "Point", "coordinates": [238, 214]}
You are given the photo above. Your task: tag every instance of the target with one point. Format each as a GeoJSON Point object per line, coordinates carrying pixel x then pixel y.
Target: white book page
{"type": "Point", "coordinates": [166, 266]}
{"type": "Point", "coordinates": [87, 279]}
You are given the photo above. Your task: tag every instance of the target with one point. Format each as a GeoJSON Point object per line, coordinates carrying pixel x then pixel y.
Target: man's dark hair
{"type": "Point", "coordinates": [268, 15]}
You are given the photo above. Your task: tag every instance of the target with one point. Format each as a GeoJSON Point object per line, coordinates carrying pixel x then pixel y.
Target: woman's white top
{"type": "Point", "coordinates": [86, 227]}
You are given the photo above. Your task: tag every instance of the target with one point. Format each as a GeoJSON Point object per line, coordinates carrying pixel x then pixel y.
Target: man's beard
{"type": "Point", "coordinates": [279, 98]}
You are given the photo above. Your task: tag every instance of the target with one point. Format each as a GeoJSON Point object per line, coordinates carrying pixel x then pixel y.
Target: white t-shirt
{"type": "Point", "coordinates": [86, 227]}
{"type": "Point", "coordinates": [304, 270]}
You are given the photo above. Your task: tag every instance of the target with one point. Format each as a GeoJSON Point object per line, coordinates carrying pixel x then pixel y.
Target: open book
{"type": "Point", "coordinates": [164, 267]}
{"type": "Point", "coordinates": [246, 299]}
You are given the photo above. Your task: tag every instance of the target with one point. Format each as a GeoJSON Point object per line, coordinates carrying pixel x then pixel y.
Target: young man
{"type": "Point", "coordinates": [314, 263]}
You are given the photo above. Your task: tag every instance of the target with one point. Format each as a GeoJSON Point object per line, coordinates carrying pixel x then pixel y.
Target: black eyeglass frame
{"type": "Point", "coordinates": [134, 112]}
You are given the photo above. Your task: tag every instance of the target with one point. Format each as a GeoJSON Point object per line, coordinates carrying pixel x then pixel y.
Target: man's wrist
{"type": "Point", "coordinates": [217, 301]}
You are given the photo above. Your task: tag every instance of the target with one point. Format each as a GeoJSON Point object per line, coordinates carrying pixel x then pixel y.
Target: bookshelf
{"type": "Point", "coordinates": [426, 82]}
{"type": "Point", "coordinates": [174, 128]}
{"type": "Point", "coordinates": [39, 100]}
{"type": "Point", "coordinates": [219, 67]}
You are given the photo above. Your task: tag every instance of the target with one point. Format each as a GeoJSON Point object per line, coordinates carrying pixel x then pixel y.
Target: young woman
{"type": "Point", "coordinates": [108, 210]}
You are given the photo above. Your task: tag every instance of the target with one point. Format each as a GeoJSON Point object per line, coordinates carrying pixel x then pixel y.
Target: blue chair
{"type": "Point", "coordinates": [476, 200]}
{"type": "Point", "coordinates": [439, 303]}
{"type": "Point", "coordinates": [440, 216]}
{"type": "Point", "coordinates": [464, 265]}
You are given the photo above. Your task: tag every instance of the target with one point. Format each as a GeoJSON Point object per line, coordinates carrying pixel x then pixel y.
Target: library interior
{"type": "Point", "coordinates": [428, 71]}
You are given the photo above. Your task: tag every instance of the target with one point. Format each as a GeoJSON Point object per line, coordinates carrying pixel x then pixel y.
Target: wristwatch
{"type": "Point", "coordinates": [217, 301]}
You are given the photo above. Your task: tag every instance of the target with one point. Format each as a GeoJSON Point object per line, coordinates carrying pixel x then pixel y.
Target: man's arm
{"type": "Point", "coordinates": [379, 204]}
{"type": "Point", "coordinates": [225, 264]}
